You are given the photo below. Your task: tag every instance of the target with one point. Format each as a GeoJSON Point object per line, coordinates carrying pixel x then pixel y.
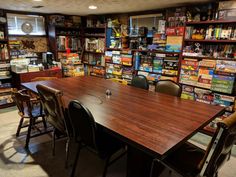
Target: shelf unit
{"type": "Point", "coordinates": [5, 71]}
{"type": "Point", "coordinates": [93, 56]}
{"type": "Point", "coordinates": [208, 74]}
{"type": "Point", "coordinates": [119, 65]}
{"type": "Point", "coordinates": [207, 22]}
{"type": "Point", "coordinates": [62, 39]}
{"type": "Point", "coordinates": [210, 41]}
{"type": "Point", "coordinates": [209, 58]}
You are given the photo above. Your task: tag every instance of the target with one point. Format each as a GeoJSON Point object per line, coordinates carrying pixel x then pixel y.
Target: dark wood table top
{"type": "Point", "coordinates": [154, 121]}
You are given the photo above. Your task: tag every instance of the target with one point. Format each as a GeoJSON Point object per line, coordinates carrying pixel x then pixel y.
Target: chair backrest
{"type": "Point", "coordinates": [168, 87]}
{"type": "Point", "coordinates": [140, 81]}
{"type": "Point", "coordinates": [53, 106]}
{"type": "Point", "coordinates": [42, 78]}
{"type": "Point", "coordinates": [22, 102]}
{"type": "Point", "coordinates": [83, 123]}
{"type": "Point", "coordinates": [219, 149]}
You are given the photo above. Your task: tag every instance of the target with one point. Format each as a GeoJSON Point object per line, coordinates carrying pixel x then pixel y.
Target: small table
{"type": "Point", "coordinates": [152, 122]}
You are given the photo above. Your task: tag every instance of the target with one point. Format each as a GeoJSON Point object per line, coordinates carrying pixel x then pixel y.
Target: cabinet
{"type": "Point", "coordinates": [19, 78]}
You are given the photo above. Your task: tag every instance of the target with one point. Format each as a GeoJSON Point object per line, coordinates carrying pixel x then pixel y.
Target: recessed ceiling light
{"type": "Point", "coordinates": [92, 7]}
{"type": "Point", "coordinates": [38, 0]}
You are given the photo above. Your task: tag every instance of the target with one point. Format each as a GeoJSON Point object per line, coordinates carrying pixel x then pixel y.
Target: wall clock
{"type": "Point", "coordinates": [27, 27]}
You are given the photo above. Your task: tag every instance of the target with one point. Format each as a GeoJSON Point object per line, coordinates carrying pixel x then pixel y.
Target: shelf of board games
{"type": "Point", "coordinates": [119, 64]}
{"type": "Point", "coordinates": [207, 22]}
{"type": "Point", "coordinates": [210, 41]}
{"type": "Point", "coordinates": [63, 38]}
{"type": "Point", "coordinates": [5, 73]}
{"type": "Point", "coordinates": [208, 66]}
{"type": "Point", "coordinates": [94, 45]}
{"type": "Point", "coordinates": [199, 57]}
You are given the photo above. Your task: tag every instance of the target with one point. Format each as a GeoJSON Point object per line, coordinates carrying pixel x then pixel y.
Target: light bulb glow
{"type": "Point", "coordinates": [92, 7]}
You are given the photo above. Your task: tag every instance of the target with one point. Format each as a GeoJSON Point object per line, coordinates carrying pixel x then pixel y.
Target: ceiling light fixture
{"type": "Point", "coordinates": [92, 7]}
{"type": "Point", "coordinates": [37, 0]}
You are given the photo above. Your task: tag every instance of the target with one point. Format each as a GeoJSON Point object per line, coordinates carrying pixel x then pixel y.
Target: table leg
{"type": "Point", "coordinates": [138, 163]}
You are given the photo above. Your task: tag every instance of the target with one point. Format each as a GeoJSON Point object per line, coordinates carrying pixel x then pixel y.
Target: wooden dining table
{"type": "Point", "coordinates": [151, 122]}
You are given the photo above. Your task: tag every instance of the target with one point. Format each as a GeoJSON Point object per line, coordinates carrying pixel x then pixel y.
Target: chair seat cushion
{"type": "Point", "coordinates": [186, 159]}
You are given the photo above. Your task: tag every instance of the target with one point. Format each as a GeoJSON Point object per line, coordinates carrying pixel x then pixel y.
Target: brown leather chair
{"type": "Point", "coordinates": [168, 87]}
{"type": "Point", "coordinates": [55, 113]}
{"type": "Point", "coordinates": [140, 81]}
{"type": "Point", "coordinates": [28, 109]}
{"type": "Point", "coordinates": [190, 160]}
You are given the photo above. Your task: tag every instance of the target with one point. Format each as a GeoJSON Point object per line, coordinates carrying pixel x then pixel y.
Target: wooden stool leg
{"type": "Point", "coordinates": [28, 133]}
{"type": "Point", "coordinates": [19, 127]}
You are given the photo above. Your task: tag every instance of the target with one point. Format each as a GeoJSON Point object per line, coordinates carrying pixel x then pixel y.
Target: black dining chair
{"type": "Point", "coordinates": [168, 87]}
{"type": "Point", "coordinates": [55, 114]}
{"type": "Point", "coordinates": [88, 134]}
{"type": "Point", "coordinates": [191, 161]}
{"type": "Point", "coordinates": [140, 81]}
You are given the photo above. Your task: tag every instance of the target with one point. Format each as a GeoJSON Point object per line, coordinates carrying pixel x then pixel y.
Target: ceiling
{"type": "Point", "coordinates": [80, 7]}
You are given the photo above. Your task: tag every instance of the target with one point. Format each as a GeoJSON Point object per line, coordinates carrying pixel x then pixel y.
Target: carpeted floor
{"type": "Point", "coordinates": [39, 162]}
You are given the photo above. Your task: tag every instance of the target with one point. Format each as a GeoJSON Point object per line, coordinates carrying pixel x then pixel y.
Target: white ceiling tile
{"type": "Point", "coordinates": [80, 7]}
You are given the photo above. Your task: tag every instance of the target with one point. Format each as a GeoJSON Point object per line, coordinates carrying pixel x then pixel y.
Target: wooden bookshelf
{"type": "Point", "coordinates": [210, 22]}
{"type": "Point", "coordinates": [210, 41]}
{"type": "Point", "coordinates": [93, 28]}
{"type": "Point", "coordinates": [94, 65]}
{"type": "Point", "coordinates": [117, 49]}
{"type": "Point", "coordinates": [114, 63]}
{"type": "Point", "coordinates": [67, 27]}
{"type": "Point", "coordinates": [206, 88]}
{"type": "Point", "coordinates": [94, 52]}
{"type": "Point", "coordinates": [94, 36]}
{"type": "Point", "coordinates": [155, 51]}
{"type": "Point", "coordinates": [208, 58]}
{"type": "Point", "coordinates": [65, 51]}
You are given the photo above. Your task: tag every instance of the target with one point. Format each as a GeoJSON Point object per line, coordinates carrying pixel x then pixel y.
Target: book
{"type": "Point", "coordinates": [224, 100]}
{"type": "Point", "coordinates": [204, 96]}
{"type": "Point", "coordinates": [205, 77]}
{"type": "Point", "coordinates": [187, 92]}
{"type": "Point", "coordinates": [157, 64]}
{"type": "Point", "coordinates": [116, 57]}
{"type": "Point", "coordinates": [222, 83]}
{"type": "Point", "coordinates": [226, 66]}
{"type": "Point", "coordinates": [126, 59]}
{"type": "Point", "coordinates": [174, 43]}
